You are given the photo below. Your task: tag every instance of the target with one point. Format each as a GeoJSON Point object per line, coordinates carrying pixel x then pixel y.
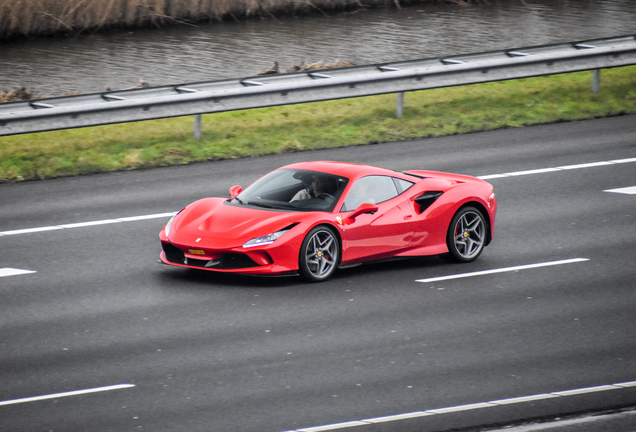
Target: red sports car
{"type": "Point", "coordinates": [313, 217]}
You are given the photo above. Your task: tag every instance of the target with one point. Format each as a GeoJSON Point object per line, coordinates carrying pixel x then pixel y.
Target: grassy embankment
{"type": "Point", "coordinates": [317, 125]}
{"type": "Point", "coordinates": [44, 17]}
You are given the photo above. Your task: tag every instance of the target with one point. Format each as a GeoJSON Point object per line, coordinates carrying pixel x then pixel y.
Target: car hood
{"type": "Point", "coordinates": [215, 218]}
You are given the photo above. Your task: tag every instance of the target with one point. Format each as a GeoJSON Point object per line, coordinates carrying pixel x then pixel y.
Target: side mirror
{"type": "Point", "coordinates": [364, 208]}
{"type": "Point", "coordinates": [234, 191]}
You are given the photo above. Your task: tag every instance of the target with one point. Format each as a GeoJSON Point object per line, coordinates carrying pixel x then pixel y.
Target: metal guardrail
{"type": "Point", "coordinates": [311, 86]}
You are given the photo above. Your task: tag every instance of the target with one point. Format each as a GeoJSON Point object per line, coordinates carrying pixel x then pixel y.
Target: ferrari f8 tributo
{"type": "Point", "coordinates": [313, 217]}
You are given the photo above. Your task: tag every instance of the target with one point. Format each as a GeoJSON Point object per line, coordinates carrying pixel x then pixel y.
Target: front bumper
{"type": "Point", "coordinates": [277, 258]}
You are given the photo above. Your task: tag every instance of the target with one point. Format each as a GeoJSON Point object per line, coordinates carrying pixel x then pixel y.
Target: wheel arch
{"type": "Point", "coordinates": [479, 206]}
{"type": "Point", "coordinates": [336, 231]}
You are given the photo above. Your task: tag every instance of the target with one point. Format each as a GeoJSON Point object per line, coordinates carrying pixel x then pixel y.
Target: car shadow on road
{"type": "Point", "coordinates": [206, 279]}
{"type": "Point", "coordinates": [415, 264]}
{"type": "Point", "coordinates": [203, 279]}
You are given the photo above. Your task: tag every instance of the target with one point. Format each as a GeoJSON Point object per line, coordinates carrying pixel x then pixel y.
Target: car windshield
{"type": "Point", "coordinates": [292, 189]}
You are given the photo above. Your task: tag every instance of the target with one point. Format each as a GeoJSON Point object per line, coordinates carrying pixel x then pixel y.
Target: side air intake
{"type": "Point", "coordinates": [426, 199]}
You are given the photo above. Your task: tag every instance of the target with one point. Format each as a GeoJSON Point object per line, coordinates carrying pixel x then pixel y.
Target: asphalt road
{"type": "Point", "coordinates": [199, 351]}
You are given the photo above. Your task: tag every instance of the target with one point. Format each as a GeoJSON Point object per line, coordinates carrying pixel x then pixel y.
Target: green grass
{"type": "Point", "coordinates": [337, 123]}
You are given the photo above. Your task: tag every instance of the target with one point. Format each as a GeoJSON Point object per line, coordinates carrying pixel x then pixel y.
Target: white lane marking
{"type": "Point", "coordinates": [523, 399]}
{"type": "Point", "coordinates": [561, 168]}
{"type": "Point", "coordinates": [475, 406]}
{"type": "Point", "coordinates": [91, 223]}
{"type": "Point", "coordinates": [586, 165]}
{"type": "Point", "coordinates": [8, 271]}
{"type": "Point", "coordinates": [460, 408]}
{"type": "Point", "coordinates": [584, 390]}
{"type": "Point", "coordinates": [619, 161]}
{"type": "Point", "coordinates": [87, 224]}
{"type": "Point", "coordinates": [30, 230]}
{"type": "Point", "coordinates": [146, 217]}
{"type": "Point", "coordinates": [502, 270]}
{"type": "Point", "coordinates": [333, 426]}
{"type": "Point", "coordinates": [398, 417]}
{"type": "Point", "coordinates": [626, 190]}
{"type": "Point", "coordinates": [530, 172]}
{"type": "Point", "coordinates": [65, 394]}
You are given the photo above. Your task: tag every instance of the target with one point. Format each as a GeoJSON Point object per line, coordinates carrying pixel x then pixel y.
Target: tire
{"type": "Point", "coordinates": [319, 254]}
{"type": "Point", "coordinates": [466, 237]}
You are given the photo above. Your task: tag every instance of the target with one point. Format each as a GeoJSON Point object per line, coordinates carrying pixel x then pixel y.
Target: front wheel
{"type": "Point", "coordinates": [319, 254]}
{"type": "Point", "coordinates": [466, 235]}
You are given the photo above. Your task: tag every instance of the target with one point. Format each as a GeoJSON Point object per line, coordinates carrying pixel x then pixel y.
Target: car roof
{"type": "Point", "coordinates": [345, 169]}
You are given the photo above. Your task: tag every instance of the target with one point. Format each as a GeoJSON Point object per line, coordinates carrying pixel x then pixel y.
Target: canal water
{"type": "Point", "coordinates": [218, 50]}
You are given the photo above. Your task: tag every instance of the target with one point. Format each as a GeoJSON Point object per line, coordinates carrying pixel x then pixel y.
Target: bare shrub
{"type": "Point", "coordinates": [41, 17]}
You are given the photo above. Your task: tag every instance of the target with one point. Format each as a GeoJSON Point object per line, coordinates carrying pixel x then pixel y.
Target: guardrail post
{"type": "Point", "coordinates": [596, 81]}
{"type": "Point", "coordinates": [197, 127]}
{"type": "Point", "coordinates": [399, 105]}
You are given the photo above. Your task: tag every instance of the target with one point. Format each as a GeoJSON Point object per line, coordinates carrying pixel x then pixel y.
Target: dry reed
{"type": "Point", "coordinates": [45, 17]}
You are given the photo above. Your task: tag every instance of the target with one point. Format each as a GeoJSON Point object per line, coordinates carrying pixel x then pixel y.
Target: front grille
{"type": "Point", "coordinates": [236, 261]}
{"type": "Point", "coordinates": [173, 253]}
{"type": "Point", "coordinates": [230, 261]}
{"type": "Point", "coordinates": [195, 262]}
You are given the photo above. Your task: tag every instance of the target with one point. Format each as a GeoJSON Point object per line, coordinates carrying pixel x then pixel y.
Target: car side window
{"type": "Point", "coordinates": [402, 185]}
{"type": "Point", "coordinates": [370, 189]}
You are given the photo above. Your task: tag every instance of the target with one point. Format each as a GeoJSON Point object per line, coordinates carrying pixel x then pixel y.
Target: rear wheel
{"type": "Point", "coordinates": [319, 254]}
{"type": "Point", "coordinates": [466, 235]}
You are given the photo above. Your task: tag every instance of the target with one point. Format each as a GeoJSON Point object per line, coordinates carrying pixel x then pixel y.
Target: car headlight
{"type": "Point", "coordinates": [169, 224]}
{"type": "Point", "coordinates": [265, 240]}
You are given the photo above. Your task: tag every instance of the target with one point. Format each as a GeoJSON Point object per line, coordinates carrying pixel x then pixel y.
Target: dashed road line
{"type": "Point", "coordinates": [66, 394]}
{"type": "Point", "coordinates": [555, 169]}
{"type": "Point", "coordinates": [468, 407]}
{"type": "Point", "coordinates": [8, 271]}
{"type": "Point", "coordinates": [87, 224]}
{"type": "Point", "coordinates": [502, 270]}
{"type": "Point", "coordinates": [626, 190]}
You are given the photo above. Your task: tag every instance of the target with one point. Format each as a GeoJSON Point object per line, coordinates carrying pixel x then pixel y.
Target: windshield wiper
{"type": "Point", "coordinates": [260, 204]}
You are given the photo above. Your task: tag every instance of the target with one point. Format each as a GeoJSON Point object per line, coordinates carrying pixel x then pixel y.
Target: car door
{"type": "Point", "coordinates": [380, 233]}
